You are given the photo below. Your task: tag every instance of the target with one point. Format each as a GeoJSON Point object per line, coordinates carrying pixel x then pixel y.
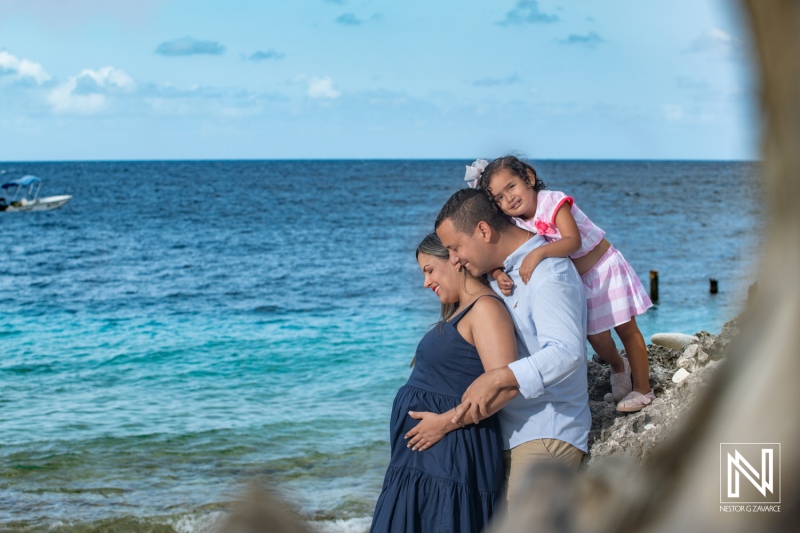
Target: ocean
{"type": "Point", "coordinates": [181, 330]}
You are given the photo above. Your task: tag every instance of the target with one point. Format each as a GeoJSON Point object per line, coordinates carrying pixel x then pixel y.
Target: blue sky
{"type": "Point", "coordinates": [276, 79]}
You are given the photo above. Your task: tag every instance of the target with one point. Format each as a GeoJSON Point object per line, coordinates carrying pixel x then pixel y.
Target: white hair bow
{"type": "Point", "coordinates": [474, 171]}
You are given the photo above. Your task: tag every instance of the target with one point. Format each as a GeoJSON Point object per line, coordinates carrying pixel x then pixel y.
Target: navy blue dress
{"type": "Point", "coordinates": [455, 485]}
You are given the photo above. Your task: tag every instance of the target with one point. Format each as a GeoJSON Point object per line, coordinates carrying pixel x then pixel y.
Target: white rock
{"type": "Point", "coordinates": [680, 375]}
{"type": "Point", "coordinates": [688, 363]}
{"type": "Point", "coordinates": [649, 426]}
{"type": "Point", "coordinates": [691, 350]}
{"type": "Point", "coordinates": [676, 341]}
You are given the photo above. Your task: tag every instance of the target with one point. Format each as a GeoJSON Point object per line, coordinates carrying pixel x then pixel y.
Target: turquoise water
{"type": "Point", "coordinates": [182, 329]}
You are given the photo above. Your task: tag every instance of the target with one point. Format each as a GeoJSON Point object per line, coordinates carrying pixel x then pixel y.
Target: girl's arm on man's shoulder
{"type": "Point", "coordinates": [568, 244]}
{"type": "Point", "coordinates": [570, 241]}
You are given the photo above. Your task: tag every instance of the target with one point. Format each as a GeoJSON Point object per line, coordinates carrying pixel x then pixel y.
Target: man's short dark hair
{"type": "Point", "coordinates": [467, 207]}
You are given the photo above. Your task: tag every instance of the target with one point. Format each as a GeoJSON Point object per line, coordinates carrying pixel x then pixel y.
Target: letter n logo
{"type": "Point", "coordinates": [750, 472]}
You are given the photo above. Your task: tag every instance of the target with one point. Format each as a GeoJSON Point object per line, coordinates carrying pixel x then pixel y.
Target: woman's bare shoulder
{"type": "Point", "coordinates": [490, 306]}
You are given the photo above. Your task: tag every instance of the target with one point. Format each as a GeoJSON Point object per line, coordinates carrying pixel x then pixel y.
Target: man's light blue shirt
{"type": "Point", "coordinates": [549, 314]}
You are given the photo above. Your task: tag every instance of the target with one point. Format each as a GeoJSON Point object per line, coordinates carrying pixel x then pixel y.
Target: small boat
{"type": "Point", "coordinates": [23, 195]}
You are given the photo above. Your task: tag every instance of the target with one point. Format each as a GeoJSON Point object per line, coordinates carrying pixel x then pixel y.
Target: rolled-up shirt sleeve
{"type": "Point", "coordinates": [558, 313]}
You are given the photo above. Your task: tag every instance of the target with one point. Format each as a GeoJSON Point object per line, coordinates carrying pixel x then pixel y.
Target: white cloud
{"type": "Point", "coordinates": [590, 40]}
{"type": "Point", "coordinates": [493, 82]}
{"type": "Point", "coordinates": [349, 19]}
{"type": "Point", "coordinates": [207, 101]}
{"type": "Point", "coordinates": [188, 46]}
{"type": "Point", "coordinates": [527, 12]}
{"type": "Point", "coordinates": [322, 89]}
{"type": "Point", "coordinates": [690, 114]}
{"type": "Point", "coordinates": [87, 92]}
{"type": "Point", "coordinates": [23, 68]}
{"type": "Point", "coordinates": [716, 41]}
{"type": "Point", "coordinates": [62, 14]}
{"type": "Point", "coordinates": [692, 84]}
{"type": "Point", "coordinates": [261, 55]}
{"type": "Point", "coordinates": [674, 112]}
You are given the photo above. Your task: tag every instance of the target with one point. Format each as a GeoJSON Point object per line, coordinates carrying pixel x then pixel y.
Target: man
{"type": "Point", "coordinates": [550, 418]}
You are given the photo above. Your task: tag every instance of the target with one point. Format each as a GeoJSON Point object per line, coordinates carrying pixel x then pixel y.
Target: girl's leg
{"type": "Point", "coordinates": [636, 350]}
{"type": "Point", "coordinates": [604, 345]}
{"type": "Point", "coordinates": [620, 378]}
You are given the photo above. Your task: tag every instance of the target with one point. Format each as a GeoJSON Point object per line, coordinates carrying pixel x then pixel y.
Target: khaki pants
{"type": "Point", "coordinates": [517, 460]}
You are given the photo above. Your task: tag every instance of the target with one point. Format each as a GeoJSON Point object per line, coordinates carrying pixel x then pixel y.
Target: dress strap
{"type": "Point", "coordinates": [464, 311]}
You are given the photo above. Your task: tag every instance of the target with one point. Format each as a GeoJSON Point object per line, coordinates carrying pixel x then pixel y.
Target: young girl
{"type": "Point", "coordinates": [614, 293]}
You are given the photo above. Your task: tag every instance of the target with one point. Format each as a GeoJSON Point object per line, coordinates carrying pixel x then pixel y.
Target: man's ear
{"type": "Point", "coordinates": [484, 231]}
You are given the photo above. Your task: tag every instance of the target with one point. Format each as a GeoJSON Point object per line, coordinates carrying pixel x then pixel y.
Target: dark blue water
{"type": "Point", "coordinates": [180, 329]}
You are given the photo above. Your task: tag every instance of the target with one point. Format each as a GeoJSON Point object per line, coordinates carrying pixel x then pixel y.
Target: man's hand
{"type": "Point", "coordinates": [477, 400]}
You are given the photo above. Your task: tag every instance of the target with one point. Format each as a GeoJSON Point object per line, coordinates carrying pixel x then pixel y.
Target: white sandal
{"type": "Point", "coordinates": [635, 401]}
{"type": "Point", "coordinates": [621, 384]}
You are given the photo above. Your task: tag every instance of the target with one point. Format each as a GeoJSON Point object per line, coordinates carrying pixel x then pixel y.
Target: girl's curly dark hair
{"type": "Point", "coordinates": [516, 166]}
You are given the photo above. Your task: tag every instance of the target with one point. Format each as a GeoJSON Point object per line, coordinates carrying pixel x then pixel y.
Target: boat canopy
{"type": "Point", "coordinates": [24, 181]}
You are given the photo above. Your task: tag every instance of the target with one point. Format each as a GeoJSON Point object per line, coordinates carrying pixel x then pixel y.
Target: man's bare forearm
{"type": "Point", "coordinates": [503, 378]}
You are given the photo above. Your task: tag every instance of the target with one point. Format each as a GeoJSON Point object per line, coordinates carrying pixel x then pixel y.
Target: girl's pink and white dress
{"type": "Point", "coordinates": [614, 292]}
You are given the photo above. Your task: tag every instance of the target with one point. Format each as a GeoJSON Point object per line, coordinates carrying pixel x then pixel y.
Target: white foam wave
{"type": "Point", "coordinates": [200, 523]}
{"type": "Point", "coordinates": [351, 525]}
{"type": "Point", "coordinates": [213, 522]}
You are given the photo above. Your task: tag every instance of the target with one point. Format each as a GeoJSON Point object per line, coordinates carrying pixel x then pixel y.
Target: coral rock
{"type": "Point", "coordinates": [635, 436]}
{"type": "Point", "coordinates": [691, 351]}
{"type": "Point", "coordinates": [680, 375]}
{"type": "Point", "coordinates": [675, 341]}
{"type": "Point", "coordinates": [686, 363]}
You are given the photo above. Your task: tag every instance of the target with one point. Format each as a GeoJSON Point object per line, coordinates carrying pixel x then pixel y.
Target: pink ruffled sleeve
{"type": "Point", "coordinates": [563, 200]}
{"type": "Point", "coordinates": [547, 205]}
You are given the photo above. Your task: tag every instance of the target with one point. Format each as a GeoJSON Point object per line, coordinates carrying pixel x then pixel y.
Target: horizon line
{"type": "Point", "coordinates": [345, 159]}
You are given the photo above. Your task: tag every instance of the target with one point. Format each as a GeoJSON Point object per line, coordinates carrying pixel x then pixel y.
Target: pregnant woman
{"type": "Point", "coordinates": [445, 477]}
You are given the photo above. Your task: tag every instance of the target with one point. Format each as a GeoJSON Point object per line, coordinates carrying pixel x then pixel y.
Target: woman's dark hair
{"type": "Point", "coordinates": [516, 166]}
{"type": "Point", "coordinates": [432, 245]}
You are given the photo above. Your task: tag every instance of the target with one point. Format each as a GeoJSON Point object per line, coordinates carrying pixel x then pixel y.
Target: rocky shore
{"type": "Point", "coordinates": [679, 367]}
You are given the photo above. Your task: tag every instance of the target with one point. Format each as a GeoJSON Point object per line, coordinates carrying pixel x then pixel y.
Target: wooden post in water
{"type": "Point", "coordinates": [713, 289]}
{"type": "Point", "coordinates": [654, 285]}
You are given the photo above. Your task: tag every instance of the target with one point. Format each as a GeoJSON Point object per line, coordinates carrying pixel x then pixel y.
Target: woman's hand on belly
{"type": "Point", "coordinates": [431, 429]}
